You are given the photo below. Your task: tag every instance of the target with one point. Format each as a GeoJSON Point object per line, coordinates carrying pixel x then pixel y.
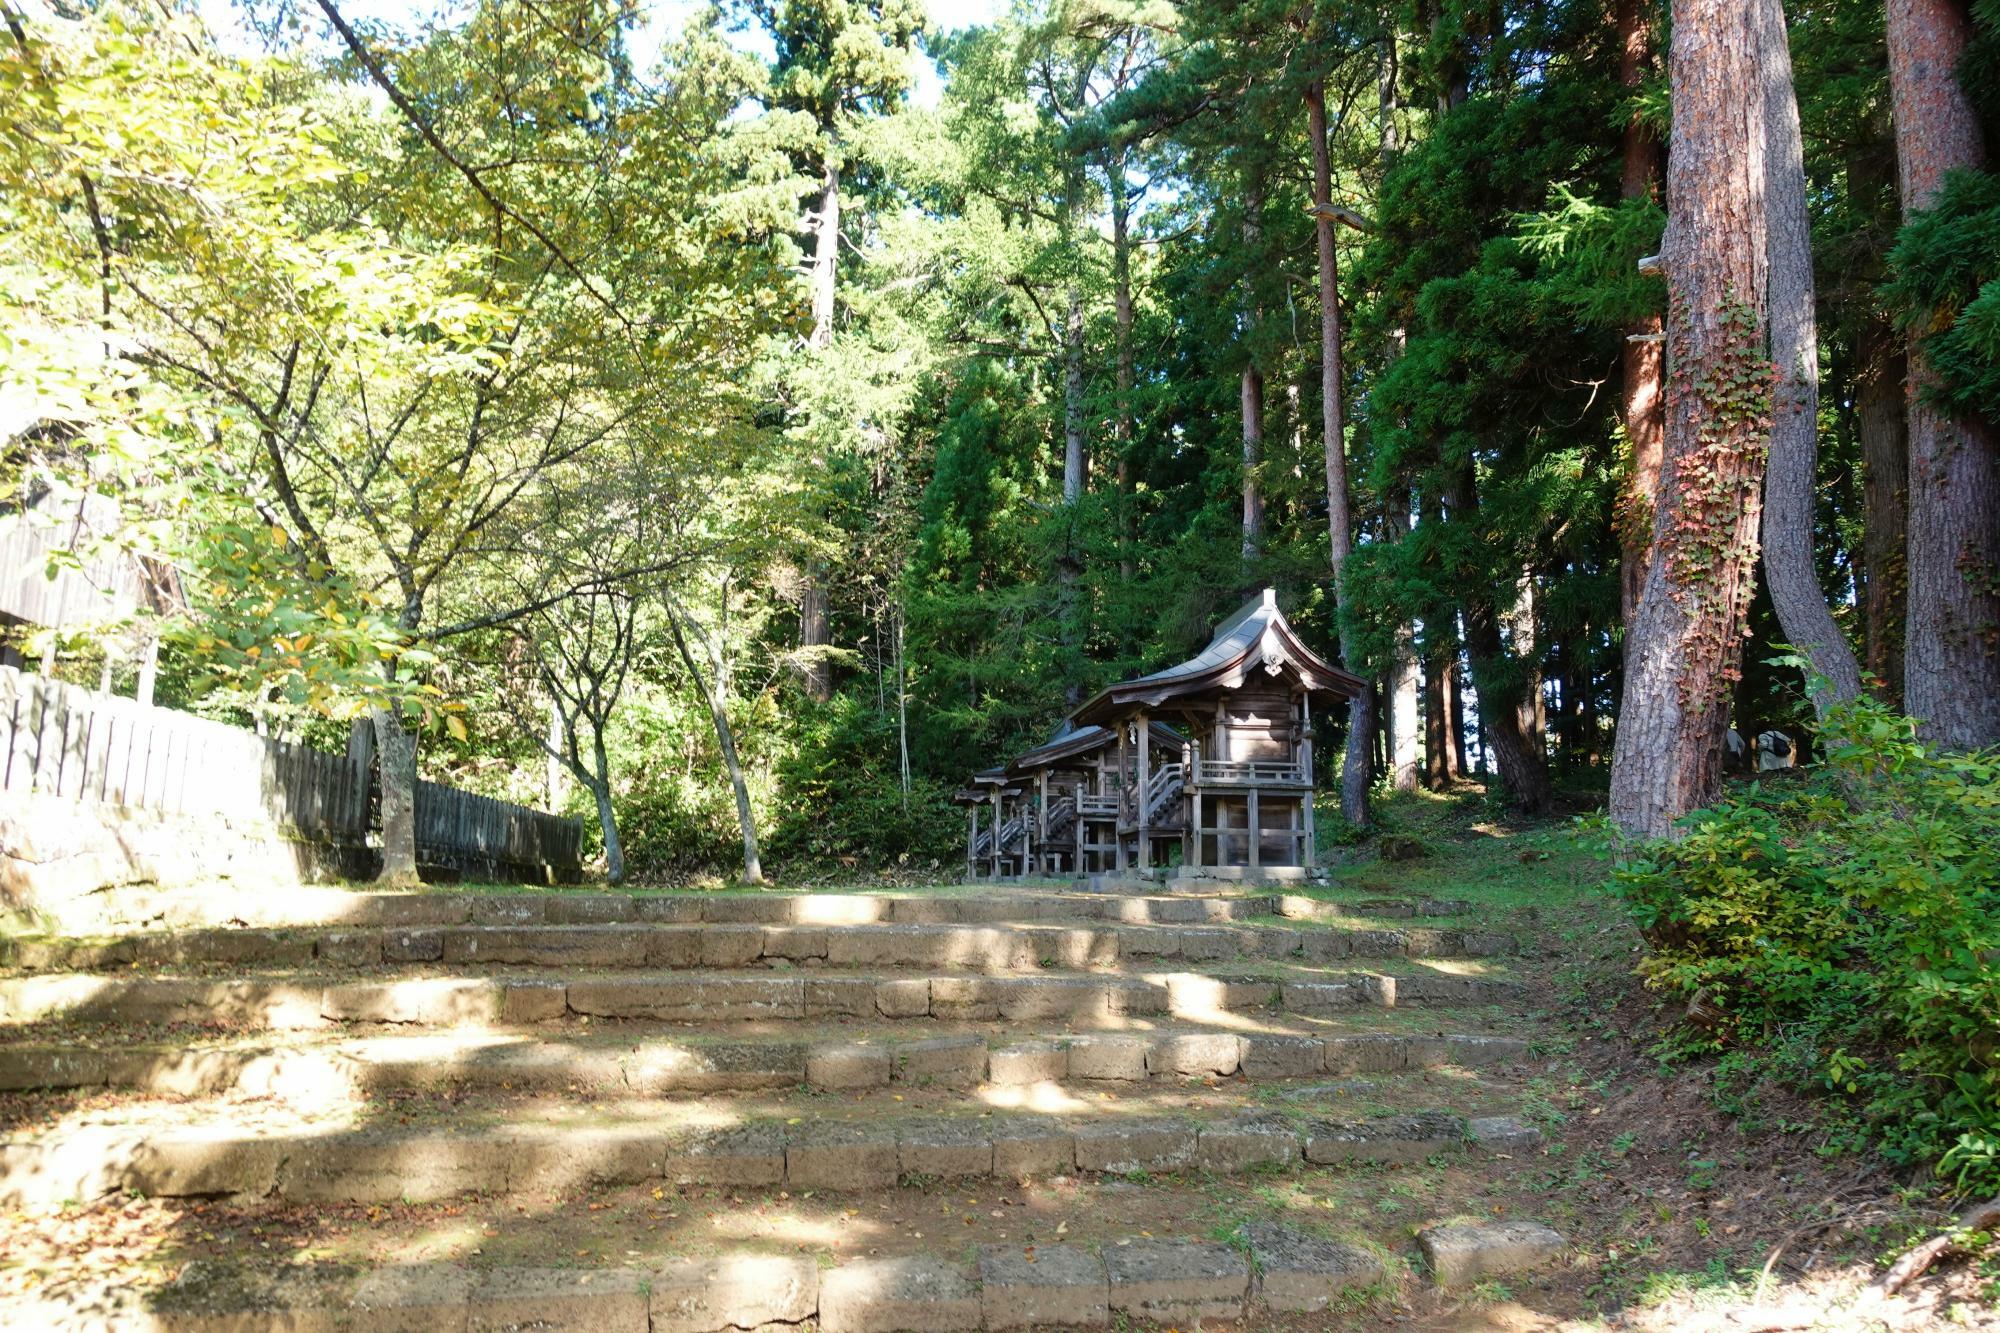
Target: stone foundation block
{"type": "Point", "coordinates": [1303, 1273]}
{"type": "Point", "coordinates": [1460, 1255]}
{"type": "Point", "coordinates": [1177, 1282]}
{"type": "Point", "coordinates": [840, 1157]}
{"type": "Point", "coordinates": [734, 1292]}
{"type": "Point", "coordinates": [1043, 1285]}
{"type": "Point", "coordinates": [904, 1295]}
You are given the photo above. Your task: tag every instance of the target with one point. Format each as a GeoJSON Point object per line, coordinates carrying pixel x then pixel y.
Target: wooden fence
{"type": "Point", "coordinates": [65, 740]}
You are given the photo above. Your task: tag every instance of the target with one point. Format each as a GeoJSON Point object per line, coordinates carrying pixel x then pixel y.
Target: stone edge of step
{"type": "Point", "coordinates": [750, 1064]}
{"type": "Point", "coordinates": [999, 946]}
{"type": "Point", "coordinates": [696, 996]}
{"type": "Point", "coordinates": [430, 1165]}
{"type": "Point", "coordinates": [1004, 1287]}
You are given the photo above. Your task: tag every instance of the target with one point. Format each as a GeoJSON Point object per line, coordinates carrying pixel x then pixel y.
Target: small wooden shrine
{"type": "Point", "coordinates": [1210, 760]}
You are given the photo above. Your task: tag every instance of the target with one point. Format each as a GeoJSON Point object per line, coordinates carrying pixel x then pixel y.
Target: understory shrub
{"type": "Point", "coordinates": [1839, 930]}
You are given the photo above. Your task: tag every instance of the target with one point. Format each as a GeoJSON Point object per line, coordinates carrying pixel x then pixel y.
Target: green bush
{"type": "Point", "coordinates": [1840, 930]}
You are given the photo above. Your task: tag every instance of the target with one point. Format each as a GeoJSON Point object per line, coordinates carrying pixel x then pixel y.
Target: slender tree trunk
{"type": "Point", "coordinates": [1882, 427]}
{"type": "Point", "coordinates": [1122, 424]}
{"type": "Point", "coordinates": [607, 819]}
{"type": "Point", "coordinates": [1642, 361]}
{"type": "Point", "coordinates": [1454, 684]}
{"type": "Point", "coordinates": [1437, 740]}
{"type": "Point", "coordinates": [725, 740]}
{"type": "Point", "coordinates": [815, 632]}
{"type": "Point", "coordinates": [1360, 716]}
{"type": "Point", "coordinates": [1951, 660]}
{"type": "Point", "coordinates": [396, 764]}
{"type": "Point", "coordinates": [1074, 458]}
{"type": "Point", "coordinates": [1251, 383]}
{"type": "Point", "coordinates": [1791, 482]}
{"type": "Point", "coordinates": [1685, 645]}
{"type": "Point", "coordinates": [553, 771]}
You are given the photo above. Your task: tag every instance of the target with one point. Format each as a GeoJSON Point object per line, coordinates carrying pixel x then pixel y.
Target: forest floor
{"type": "Point", "coordinates": [1689, 1202]}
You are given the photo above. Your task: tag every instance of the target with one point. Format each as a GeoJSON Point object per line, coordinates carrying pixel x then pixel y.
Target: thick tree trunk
{"type": "Point", "coordinates": [1507, 713]}
{"type": "Point", "coordinates": [1685, 644]}
{"type": "Point", "coordinates": [1642, 362]}
{"type": "Point", "coordinates": [1791, 481]}
{"type": "Point", "coordinates": [1951, 659]}
{"type": "Point", "coordinates": [1122, 424]}
{"type": "Point", "coordinates": [1399, 682]}
{"type": "Point", "coordinates": [1883, 429]}
{"type": "Point", "coordinates": [396, 765]}
{"type": "Point", "coordinates": [725, 741]}
{"type": "Point", "coordinates": [1250, 390]}
{"type": "Point", "coordinates": [1438, 760]}
{"type": "Point", "coordinates": [1360, 717]}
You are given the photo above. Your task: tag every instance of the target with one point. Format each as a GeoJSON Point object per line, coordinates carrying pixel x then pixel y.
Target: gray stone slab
{"type": "Point", "coordinates": [836, 1156]}
{"type": "Point", "coordinates": [914, 1294]}
{"type": "Point", "coordinates": [849, 1065]}
{"type": "Point", "coordinates": [1177, 1281]}
{"type": "Point", "coordinates": [729, 946]}
{"type": "Point", "coordinates": [1297, 1272]}
{"type": "Point", "coordinates": [730, 1292]}
{"type": "Point", "coordinates": [1319, 997]}
{"type": "Point", "coordinates": [558, 1300]}
{"type": "Point", "coordinates": [378, 1167]}
{"type": "Point", "coordinates": [669, 909]}
{"type": "Point", "coordinates": [945, 1149]}
{"type": "Point", "coordinates": [1027, 1287]}
{"type": "Point", "coordinates": [743, 1155]}
{"type": "Point", "coordinates": [1108, 1058]}
{"type": "Point", "coordinates": [1025, 1062]}
{"type": "Point", "coordinates": [903, 998]}
{"type": "Point", "coordinates": [1140, 1144]}
{"type": "Point", "coordinates": [1244, 1143]}
{"type": "Point", "coordinates": [533, 1001]}
{"type": "Point", "coordinates": [953, 1062]}
{"type": "Point", "coordinates": [1029, 1147]}
{"type": "Point", "coordinates": [588, 909]}
{"type": "Point", "coordinates": [1463, 1254]}
{"type": "Point", "coordinates": [1366, 1053]}
{"type": "Point", "coordinates": [1503, 1134]}
{"type": "Point", "coordinates": [1394, 1139]}
{"type": "Point", "coordinates": [1270, 1057]}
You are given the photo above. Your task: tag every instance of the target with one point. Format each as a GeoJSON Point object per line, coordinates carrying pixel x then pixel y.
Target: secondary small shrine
{"type": "Point", "coordinates": [1209, 763]}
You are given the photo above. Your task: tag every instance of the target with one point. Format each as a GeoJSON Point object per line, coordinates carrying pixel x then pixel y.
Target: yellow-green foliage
{"type": "Point", "coordinates": [1843, 931]}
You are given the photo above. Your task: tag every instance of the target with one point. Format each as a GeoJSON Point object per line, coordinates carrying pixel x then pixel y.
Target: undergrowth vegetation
{"type": "Point", "coordinates": [1839, 932]}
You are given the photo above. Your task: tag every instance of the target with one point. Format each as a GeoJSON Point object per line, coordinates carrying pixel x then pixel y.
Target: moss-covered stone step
{"type": "Point", "coordinates": [695, 997]}
{"type": "Point", "coordinates": [995, 1287]}
{"type": "Point", "coordinates": [215, 1157]}
{"type": "Point", "coordinates": [990, 948]}
{"type": "Point", "coordinates": [656, 1065]}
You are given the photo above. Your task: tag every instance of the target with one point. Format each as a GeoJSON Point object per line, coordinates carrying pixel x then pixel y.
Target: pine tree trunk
{"type": "Point", "coordinates": [1122, 426]}
{"type": "Point", "coordinates": [1074, 459]}
{"type": "Point", "coordinates": [1684, 648]}
{"type": "Point", "coordinates": [1883, 429]}
{"type": "Point", "coordinates": [1642, 361]}
{"type": "Point", "coordinates": [1454, 719]}
{"type": "Point", "coordinates": [1400, 680]}
{"type": "Point", "coordinates": [1791, 481]}
{"type": "Point", "coordinates": [1951, 660]}
{"type": "Point", "coordinates": [1360, 717]}
{"type": "Point", "coordinates": [1250, 390]}
{"type": "Point", "coordinates": [396, 765]}
{"type": "Point", "coordinates": [826, 256]}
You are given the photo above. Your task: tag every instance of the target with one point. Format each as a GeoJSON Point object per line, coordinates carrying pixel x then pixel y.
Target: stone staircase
{"type": "Point", "coordinates": [485, 1053]}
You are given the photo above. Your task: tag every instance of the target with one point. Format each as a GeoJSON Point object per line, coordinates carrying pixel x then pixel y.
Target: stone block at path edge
{"type": "Point", "coordinates": [905, 1295]}
{"type": "Point", "coordinates": [735, 1292]}
{"type": "Point", "coordinates": [1299, 1272]}
{"type": "Point", "coordinates": [1463, 1254]}
{"type": "Point", "coordinates": [1177, 1282]}
{"type": "Point", "coordinates": [1036, 1286]}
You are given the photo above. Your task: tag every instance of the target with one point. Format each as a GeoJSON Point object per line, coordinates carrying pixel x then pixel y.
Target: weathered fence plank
{"type": "Point", "coordinates": [72, 743]}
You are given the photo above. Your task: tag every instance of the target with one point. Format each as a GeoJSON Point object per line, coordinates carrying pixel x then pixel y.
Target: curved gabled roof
{"type": "Point", "coordinates": [1257, 638]}
{"type": "Point", "coordinates": [1071, 741]}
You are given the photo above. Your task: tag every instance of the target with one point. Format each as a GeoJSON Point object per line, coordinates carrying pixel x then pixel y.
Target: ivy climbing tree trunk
{"type": "Point", "coordinates": [1790, 484]}
{"type": "Point", "coordinates": [1951, 655]}
{"type": "Point", "coordinates": [1340, 530]}
{"type": "Point", "coordinates": [1684, 648]}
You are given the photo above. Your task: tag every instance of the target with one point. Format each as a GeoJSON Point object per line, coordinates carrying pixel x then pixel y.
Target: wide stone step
{"type": "Point", "coordinates": [331, 906]}
{"type": "Point", "coordinates": [995, 1287]}
{"type": "Point", "coordinates": [691, 997]}
{"type": "Point", "coordinates": [655, 1065]}
{"type": "Point", "coordinates": [373, 1165]}
{"type": "Point", "coordinates": [991, 948]}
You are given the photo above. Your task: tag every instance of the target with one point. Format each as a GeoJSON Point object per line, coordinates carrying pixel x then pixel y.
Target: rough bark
{"type": "Point", "coordinates": [1685, 644]}
{"type": "Point", "coordinates": [725, 740]}
{"type": "Point", "coordinates": [1642, 362]}
{"type": "Point", "coordinates": [396, 763]}
{"type": "Point", "coordinates": [815, 631]}
{"type": "Point", "coordinates": [1505, 677]}
{"type": "Point", "coordinates": [1250, 388]}
{"type": "Point", "coordinates": [1340, 533]}
{"type": "Point", "coordinates": [1074, 460]}
{"type": "Point", "coordinates": [1791, 478]}
{"type": "Point", "coordinates": [1951, 656]}
{"type": "Point", "coordinates": [1882, 429]}
{"type": "Point", "coordinates": [1399, 682]}
{"type": "Point", "coordinates": [1122, 424]}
